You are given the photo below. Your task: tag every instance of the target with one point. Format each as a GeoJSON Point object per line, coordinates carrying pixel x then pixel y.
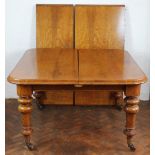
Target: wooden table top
{"type": "Point", "coordinates": [108, 67]}
{"type": "Point", "coordinates": [70, 66]}
{"type": "Point", "coordinates": [46, 66]}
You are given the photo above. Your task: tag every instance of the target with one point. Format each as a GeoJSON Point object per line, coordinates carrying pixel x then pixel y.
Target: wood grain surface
{"type": "Point", "coordinates": [57, 97]}
{"type": "Point", "coordinates": [99, 26]}
{"type": "Point", "coordinates": [96, 97]}
{"type": "Point", "coordinates": [46, 66]}
{"type": "Point", "coordinates": [54, 29]}
{"type": "Point", "coordinates": [67, 66]}
{"type": "Point", "coordinates": [56, 64]}
{"type": "Point", "coordinates": [54, 26]}
{"type": "Point", "coordinates": [108, 67]}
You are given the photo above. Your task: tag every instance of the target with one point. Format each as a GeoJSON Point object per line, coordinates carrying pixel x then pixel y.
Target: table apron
{"type": "Point", "coordinates": [78, 87]}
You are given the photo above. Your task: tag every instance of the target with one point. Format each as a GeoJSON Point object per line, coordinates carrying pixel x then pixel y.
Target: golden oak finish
{"type": "Point", "coordinates": [54, 26]}
{"type": "Point", "coordinates": [60, 66]}
{"type": "Point", "coordinates": [54, 29]}
{"type": "Point", "coordinates": [131, 109]}
{"type": "Point", "coordinates": [46, 66]}
{"type": "Point", "coordinates": [131, 90]}
{"type": "Point", "coordinates": [57, 97]}
{"type": "Point", "coordinates": [25, 107]}
{"type": "Point", "coordinates": [98, 67]}
{"type": "Point", "coordinates": [108, 67]}
{"type": "Point", "coordinates": [98, 97]}
{"type": "Point", "coordinates": [60, 97]}
{"type": "Point", "coordinates": [99, 27]}
{"type": "Point", "coordinates": [67, 69]}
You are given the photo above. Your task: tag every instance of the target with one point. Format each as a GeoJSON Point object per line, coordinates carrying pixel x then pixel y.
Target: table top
{"type": "Point", "coordinates": [46, 66]}
{"type": "Point", "coordinates": [108, 67]}
{"type": "Point", "coordinates": [70, 66]}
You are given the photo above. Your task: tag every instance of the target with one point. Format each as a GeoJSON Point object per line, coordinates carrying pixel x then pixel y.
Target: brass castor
{"type": "Point", "coordinates": [130, 133]}
{"type": "Point", "coordinates": [132, 147]}
{"type": "Point", "coordinates": [29, 145]}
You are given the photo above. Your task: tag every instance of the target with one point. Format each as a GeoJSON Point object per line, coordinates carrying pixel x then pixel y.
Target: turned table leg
{"type": "Point", "coordinates": [131, 108]}
{"type": "Point", "coordinates": [25, 107]}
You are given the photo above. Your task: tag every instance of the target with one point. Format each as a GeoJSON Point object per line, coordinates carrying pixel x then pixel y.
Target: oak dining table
{"type": "Point", "coordinates": [42, 69]}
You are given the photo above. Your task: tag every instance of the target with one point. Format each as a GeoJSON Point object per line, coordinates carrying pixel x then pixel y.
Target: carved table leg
{"type": "Point", "coordinates": [25, 107]}
{"type": "Point", "coordinates": [37, 96]}
{"type": "Point", "coordinates": [131, 108]}
{"type": "Point", "coordinates": [119, 100]}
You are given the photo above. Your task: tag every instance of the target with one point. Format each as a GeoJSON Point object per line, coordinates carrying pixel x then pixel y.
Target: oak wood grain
{"type": "Point", "coordinates": [54, 26]}
{"type": "Point", "coordinates": [132, 90]}
{"type": "Point", "coordinates": [99, 26]}
{"type": "Point", "coordinates": [108, 67]}
{"type": "Point", "coordinates": [56, 66]}
{"type": "Point", "coordinates": [46, 66]}
{"type": "Point", "coordinates": [57, 97]}
{"type": "Point", "coordinates": [94, 97]}
{"type": "Point", "coordinates": [25, 108]}
{"type": "Point", "coordinates": [60, 66]}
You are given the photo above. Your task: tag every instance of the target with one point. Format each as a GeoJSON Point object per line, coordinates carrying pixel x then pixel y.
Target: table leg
{"type": "Point", "coordinates": [131, 108]}
{"type": "Point", "coordinates": [25, 107]}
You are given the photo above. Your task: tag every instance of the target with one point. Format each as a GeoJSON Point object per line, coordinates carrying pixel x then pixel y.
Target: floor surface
{"type": "Point", "coordinates": [74, 130]}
